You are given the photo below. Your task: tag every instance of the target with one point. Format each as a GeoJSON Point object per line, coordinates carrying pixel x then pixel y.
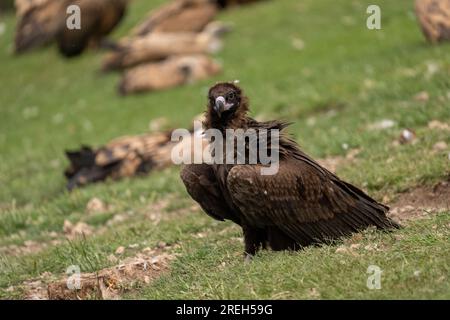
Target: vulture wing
{"type": "Point", "coordinates": [203, 187]}
{"type": "Point", "coordinates": [304, 200]}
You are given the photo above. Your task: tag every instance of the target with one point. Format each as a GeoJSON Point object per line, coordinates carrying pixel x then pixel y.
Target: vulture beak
{"type": "Point", "coordinates": [219, 107]}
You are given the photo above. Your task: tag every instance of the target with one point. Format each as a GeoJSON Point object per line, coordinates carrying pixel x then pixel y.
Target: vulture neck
{"type": "Point", "coordinates": [236, 120]}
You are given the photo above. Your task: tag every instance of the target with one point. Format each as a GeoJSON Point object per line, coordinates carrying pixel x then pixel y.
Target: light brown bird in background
{"type": "Point", "coordinates": [184, 15]}
{"type": "Point", "coordinates": [41, 22]}
{"type": "Point", "coordinates": [158, 46]}
{"type": "Point", "coordinates": [302, 204]}
{"type": "Point", "coordinates": [171, 72]}
{"type": "Point", "coordinates": [178, 15]}
{"type": "Point", "coordinates": [434, 19]}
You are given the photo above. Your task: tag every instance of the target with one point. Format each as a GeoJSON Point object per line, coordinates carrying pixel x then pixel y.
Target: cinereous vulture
{"type": "Point", "coordinates": [302, 204]}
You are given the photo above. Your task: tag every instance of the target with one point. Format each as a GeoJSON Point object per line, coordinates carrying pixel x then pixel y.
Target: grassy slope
{"type": "Point", "coordinates": [48, 104]}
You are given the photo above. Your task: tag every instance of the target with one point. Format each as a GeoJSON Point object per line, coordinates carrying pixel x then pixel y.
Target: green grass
{"type": "Point", "coordinates": [49, 104]}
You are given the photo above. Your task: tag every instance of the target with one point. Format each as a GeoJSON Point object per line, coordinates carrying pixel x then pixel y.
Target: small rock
{"type": "Point", "coordinates": [432, 68]}
{"type": "Point", "coordinates": [67, 226]}
{"type": "Point", "coordinates": [83, 228]}
{"type": "Point", "coordinates": [422, 96]}
{"type": "Point", "coordinates": [161, 245]}
{"type": "Point", "coordinates": [53, 234]}
{"type": "Point", "coordinates": [407, 136]}
{"type": "Point", "coordinates": [435, 124]}
{"type": "Point", "coordinates": [416, 273]}
{"type": "Point", "coordinates": [298, 44]}
{"type": "Point", "coordinates": [314, 293]}
{"type": "Point", "coordinates": [120, 250]}
{"type": "Point", "coordinates": [440, 146]}
{"type": "Point", "coordinates": [370, 247]}
{"type": "Point", "coordinates": [341, 249]}
{"type": "Point", "coordinates": [382, 125]}
{"type": "Point", "coordinates": [112, 258]}
{"type": "Point", "coordinates": [407, 208]}
{"type": "Point", "coordinates": [95, 205]}
{"type": "Point", "coordinates": [158, 124]}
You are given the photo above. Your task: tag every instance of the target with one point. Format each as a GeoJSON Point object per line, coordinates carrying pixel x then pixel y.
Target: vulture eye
{"type": "Point", "coordinates": [231, 96]}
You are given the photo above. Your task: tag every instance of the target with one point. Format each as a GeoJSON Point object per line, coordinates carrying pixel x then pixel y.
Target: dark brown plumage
{"type": "Point", "coordinates": [230, 3]}
{"type": "Point", "coordinates": [301, 205]}
{"type": "Point", "coordinates": [98, 19]}
{"type": "Point", "coordinates": [44, 21]}
{"type": "Point", "coordinates": [434, 19]}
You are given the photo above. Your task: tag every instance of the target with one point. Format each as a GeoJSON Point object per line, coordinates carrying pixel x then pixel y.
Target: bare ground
{"type": "Point", "coordinates": [421, 201]}
{"type": "Point", "coordinates": [108, 283]}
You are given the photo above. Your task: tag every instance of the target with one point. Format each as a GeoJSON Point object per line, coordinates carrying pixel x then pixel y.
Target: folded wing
{"type": "Point", "coordinates": [304, 200]}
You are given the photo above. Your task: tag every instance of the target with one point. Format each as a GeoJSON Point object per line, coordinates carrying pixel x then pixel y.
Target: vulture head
{"type": "Point", "coordinates": [226, 103]}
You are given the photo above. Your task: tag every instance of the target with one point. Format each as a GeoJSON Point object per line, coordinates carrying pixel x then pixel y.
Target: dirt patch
{"type": "Point", "coordinates": [421, 201]}
{"type": "Point", "coordinates": [333, 163]}
{"type": "Point", "coordinates": [108, 283]}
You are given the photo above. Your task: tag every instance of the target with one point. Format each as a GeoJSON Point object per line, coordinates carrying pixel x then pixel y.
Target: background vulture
{"type": "Point", "coordinates": [434, 19]}
{"type": "Point", "coordinates": [171, 72]}
{"type": "Point", "coordinates": [302, 204]}
{"type": "Point", "coordinates": [44, 21]}
{"type": "Point", "coordinates": [184, 15]}
{"type": "Point", "coordinates": [122, 157]}
{"type": "Point", "coordinates": [125, 157]}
